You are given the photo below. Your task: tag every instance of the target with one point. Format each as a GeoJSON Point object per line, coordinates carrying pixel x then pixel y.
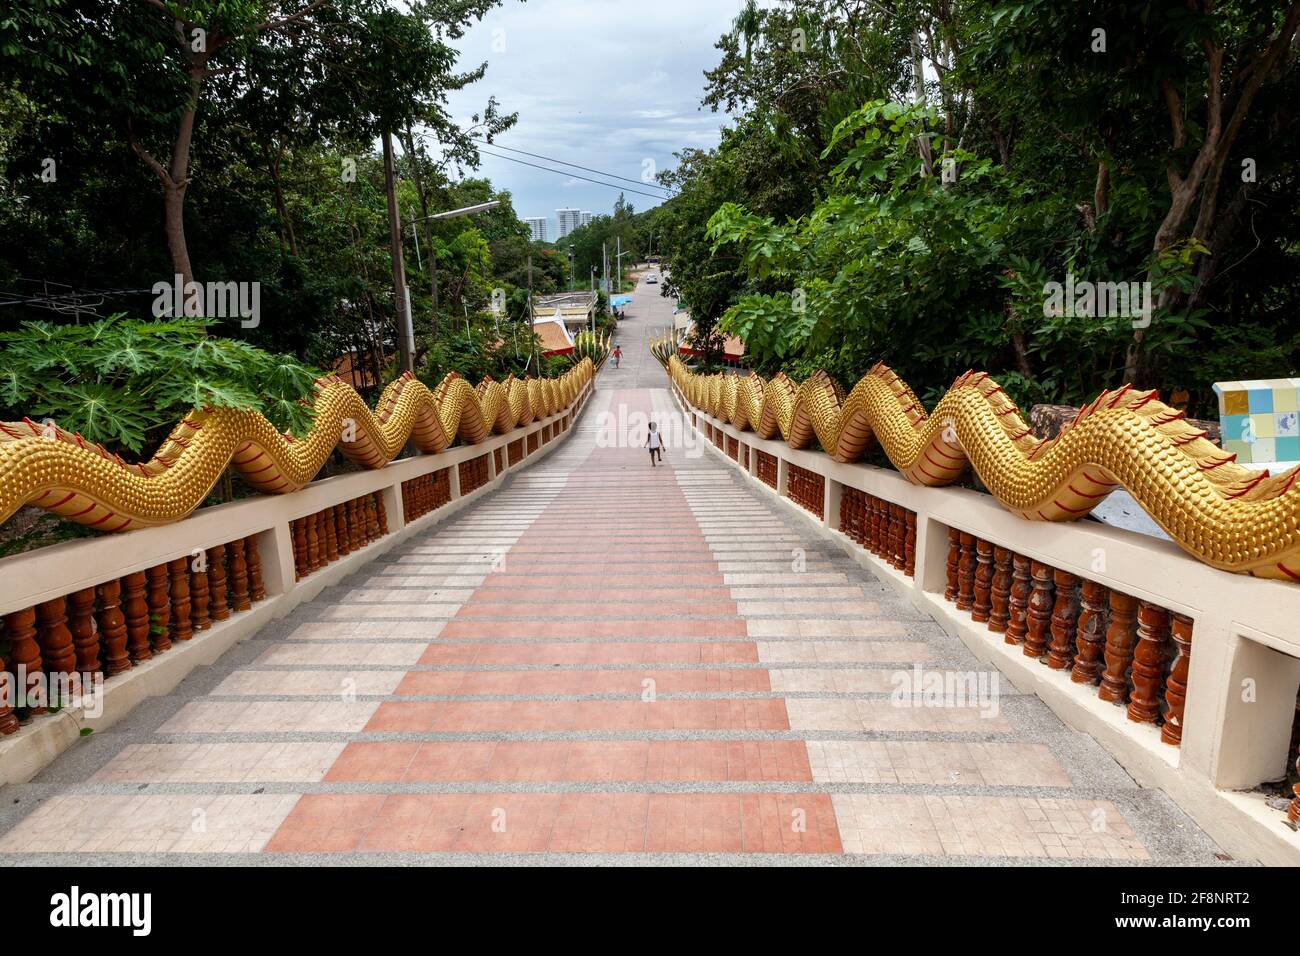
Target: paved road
{"type": "Point", "coordinates": [599, 662]}
{"type": "Point", "coordinates": [647, 315]}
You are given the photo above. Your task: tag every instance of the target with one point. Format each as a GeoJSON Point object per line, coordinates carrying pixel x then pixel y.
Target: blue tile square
{"type": "Point", "coordinates": [1234, 428]}
{"type": "Point", "coordinates": [1261, 399]}
{"type": "Point", "coordinates": [1287, 449]}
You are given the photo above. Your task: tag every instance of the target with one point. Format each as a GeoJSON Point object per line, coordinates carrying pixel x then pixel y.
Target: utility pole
{"type": "Point", "coordinates": [401, 297]}
{"type": "Point", "coordinates": [532, 318]}
{"type": "Point", "coordinates": [433, 282]}
{"type": "Point", "coordinates": [604, 274]}
{"type": "Point", "coordinates": [618, 265]}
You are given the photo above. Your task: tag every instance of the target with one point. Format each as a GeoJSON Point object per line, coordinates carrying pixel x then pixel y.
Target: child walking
{"type": "Point", "coordinates": [655, 443]}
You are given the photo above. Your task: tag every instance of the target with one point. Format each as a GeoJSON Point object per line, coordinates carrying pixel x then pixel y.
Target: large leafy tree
{"type": "Point", "coordinates": [160, 75]}
{"type": "Point", "coordinates": [1004, 144]}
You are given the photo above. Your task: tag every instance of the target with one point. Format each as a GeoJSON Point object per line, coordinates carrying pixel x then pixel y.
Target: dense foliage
{"type": "Point", "coordinates": [903, 179]}
{"type": "Point", "coordinates": [249, 154]}
{"type": "Point", "coordinates": [126, 383]}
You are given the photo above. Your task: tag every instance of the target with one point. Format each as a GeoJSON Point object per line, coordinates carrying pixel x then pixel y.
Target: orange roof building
{"type": "Point", "coordinates": [556, 339]}
{"type": "Point", "coordinates": [357, 374]}
{"type": "Point", "coordinates": [732, 347]}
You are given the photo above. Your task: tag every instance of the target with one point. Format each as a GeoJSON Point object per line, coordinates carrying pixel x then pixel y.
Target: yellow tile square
{"type": "Point", "coordinates": [1236, 403]}
{"type": "Point", "coordinates": [1285, 400]}
{"type": "Point", "coordinates": [1264, 425]}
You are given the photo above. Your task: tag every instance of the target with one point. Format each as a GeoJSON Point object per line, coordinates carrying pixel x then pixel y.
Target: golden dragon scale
{"type": "Point", "coordinates": [1228, 516]}
{"type": "Point", "coordinates": [83, 482]}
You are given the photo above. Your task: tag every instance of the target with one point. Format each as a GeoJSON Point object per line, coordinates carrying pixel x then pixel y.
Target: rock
{"type": "Point", "coordinates": [1046, 421]}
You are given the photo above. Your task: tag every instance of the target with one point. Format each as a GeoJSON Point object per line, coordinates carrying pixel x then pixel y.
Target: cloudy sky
{"type": "Point", "coordinates": [614, 85]}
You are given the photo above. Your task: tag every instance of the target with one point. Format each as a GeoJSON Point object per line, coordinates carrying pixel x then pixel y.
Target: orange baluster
{"type": "Point", "coordinates": [178, 570]}
{"type": "Point", "coordinates": [25, 658]}
{"type": "Point", "coordinates": [1090, 639]}
{"type": "Point", "coordinates": [1065, 617]}
{"type": "Point", "coordinates": [983, 581]}
{"type": "Point", "coordinates": [218, 601]}
{"type": "Point", "coordinates": [237, 575]}
{"type": "Point", "coordinates": [112, 628]}
{"type": "Point", "coordinates": [136, 610]}
{"type": "Point", "coordinates": [1148, 663]}
{"type": "Point", "coordinates": [253, 563]}
{"type": "Point", "coordinates": [57, 653]}
{"type": "Point", "coordinates": [160, 608]}
{"type": "Point", "coordinates": [1180, 632]}
{"type": "Point", "coordinates": [85, 633]}
{"type": "Point", "coordinates": [1121, 635]}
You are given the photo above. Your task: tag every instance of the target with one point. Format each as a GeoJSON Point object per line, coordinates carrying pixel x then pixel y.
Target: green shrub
{"type": "Point", "coordinates": [125, 383]}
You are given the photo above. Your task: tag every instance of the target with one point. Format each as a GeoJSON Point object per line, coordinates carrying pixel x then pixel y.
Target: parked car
{"type": "Point", "coordinates": [652, 279]}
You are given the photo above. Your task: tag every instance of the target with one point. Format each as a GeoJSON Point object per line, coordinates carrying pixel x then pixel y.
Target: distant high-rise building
{"type": "Point", "coordinates": [537, 228]}
{"type": "Point", "coordinates": [586, 217]}
{"type": "Point", "coordinates": [570, 219]}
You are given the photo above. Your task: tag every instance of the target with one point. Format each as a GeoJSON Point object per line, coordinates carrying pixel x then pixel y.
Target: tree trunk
{"type": "Point", "coordinates": [1101, 191]}
{"type": "Point", "coordinates": [1202, 179]}
{"type": "Point", "coordinates": [428, 228]}
{"type": "Point", "coordinates": [918, 76]}
{"type": "Point", "coordinates": [405, 334]}
{"type": "Point", "coordinates": [174, 225]}
{"type": "Point", "coordinates": [1022, 354]}
{"type": "Point", "coordinates": [175, 179]}
{"type": "Point", "coordinates": [281, 208]}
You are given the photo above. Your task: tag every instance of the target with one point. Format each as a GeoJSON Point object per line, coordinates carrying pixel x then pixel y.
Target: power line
{"type": "Point", "coordinates": [563, 172]}
{"type": "Point", "coordinates": [552, 159]}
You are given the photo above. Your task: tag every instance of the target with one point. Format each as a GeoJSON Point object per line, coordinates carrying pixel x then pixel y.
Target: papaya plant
{"type": "Point", "coordinates": [125, 383]}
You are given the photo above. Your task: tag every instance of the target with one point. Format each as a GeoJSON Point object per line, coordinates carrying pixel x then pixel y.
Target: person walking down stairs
{"type": "Point", "coordinates": [655, 442]}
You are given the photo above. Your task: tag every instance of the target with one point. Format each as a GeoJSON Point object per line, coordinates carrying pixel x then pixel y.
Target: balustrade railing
{"type": "Point", "coordinates": [321, 538]}
{"type": "Point", "coordinates": [107, 629]}
{"type": "Point", "coordinates": [473, 474]}
{"type": "Point", "coordinates": [1096, 620]}
{"type": "Point", "coordinates": [806, 489]}
{"type": "Point", "coordinates": [1134, 653]}
{"type": "Point", "coordinates": [424, 493]}
{"type": "Point", "coordinates": [885, 529]}
{"type": "Point", "coordinates": [126, 605]}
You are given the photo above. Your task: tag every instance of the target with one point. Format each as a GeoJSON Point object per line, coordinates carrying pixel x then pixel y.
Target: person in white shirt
{"type": "Point", "coordinates": [655, 443]}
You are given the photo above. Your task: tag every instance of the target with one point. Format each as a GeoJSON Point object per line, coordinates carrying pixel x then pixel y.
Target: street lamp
{"type": "Point", "coordinates": [407, 330]}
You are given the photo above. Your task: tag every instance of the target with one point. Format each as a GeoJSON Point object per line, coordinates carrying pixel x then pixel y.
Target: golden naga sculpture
{"type": "Point", "coordinates": [1228, 516]}
{"type": "Point", "coordinates": [69, 476]}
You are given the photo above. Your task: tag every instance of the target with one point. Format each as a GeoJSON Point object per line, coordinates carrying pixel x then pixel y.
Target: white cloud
{"type": "Point", "coordinates": [606, 84]}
